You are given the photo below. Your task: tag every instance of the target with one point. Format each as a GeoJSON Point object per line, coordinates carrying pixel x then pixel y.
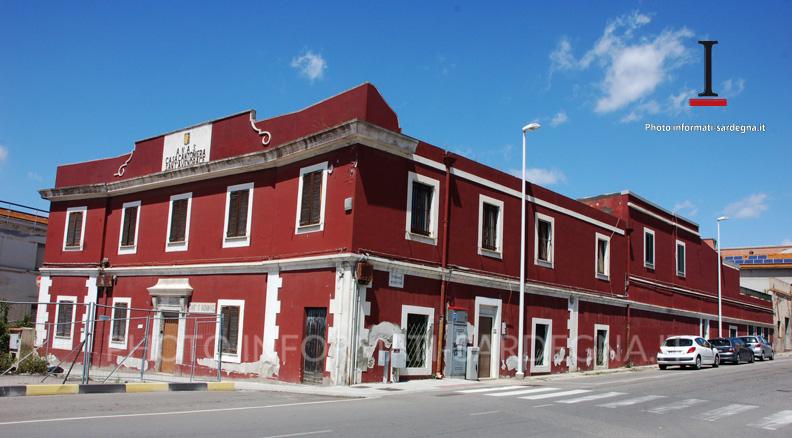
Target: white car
{"type": "Point", "coordinates": [684, 351]}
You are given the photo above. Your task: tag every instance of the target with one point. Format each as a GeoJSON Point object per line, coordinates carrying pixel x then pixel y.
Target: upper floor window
{"type": "Point", "coordinates": [422, 208]}
{"type": "Point", "coordinates": [179, 222]}
{"type": "Point", "coordinates": [311, 198]}
{"type": "Point", "coordinates": [239, 207]}
{"type": "Point", "coordinates": [127, 241]}
{"type": "Point", "coordinates": [75, 229]}
{"type": "Point", "coordinates": [602, 249]}
{"type": "Point", "coordinates": [543, 242]}
{"type": "Point", "coordinates": [490, 226]}
{"type": "Point", "coordinates": [649, 248]}
{"type": "Point", "coordinates": [680, 258]}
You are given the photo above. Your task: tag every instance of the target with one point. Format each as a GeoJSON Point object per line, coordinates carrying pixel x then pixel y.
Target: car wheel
{"type": "Point", "coordinates": [751, 359]}
{"type": "Point", "coordinates": [662, 367]}
{"type": "Point", "coordinates": [697, 366]}
{"type": "Point", "coordinates": [772, 356]}
{"type": "Point", "coordinates": [762, 357]}
{"type": "Point", "coordinates": [716, 362]}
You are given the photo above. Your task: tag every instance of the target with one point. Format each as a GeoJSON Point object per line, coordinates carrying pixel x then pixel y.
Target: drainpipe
{"type": "Point", "coordinates": [628, 331]}
{"type": "Point", "coordinates": [448, 160]}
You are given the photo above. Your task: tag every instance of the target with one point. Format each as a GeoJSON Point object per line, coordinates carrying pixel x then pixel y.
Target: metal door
{"type": "Point", "coordinates": [314, 344]}
{"type": "Point", "coordinates": [485, 346]}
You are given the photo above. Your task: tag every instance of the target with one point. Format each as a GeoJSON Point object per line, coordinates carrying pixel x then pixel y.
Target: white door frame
{"type": "Point", "coordinates": [496, 330]}
{"type": "Point", "coordinates": [606, 353]}
{"type": "Point", "coordinates": [736, 330]}
{"type": "Point", "coordinates": [548, 352]}
{"type": "Point", "coordinates": [425, 370]}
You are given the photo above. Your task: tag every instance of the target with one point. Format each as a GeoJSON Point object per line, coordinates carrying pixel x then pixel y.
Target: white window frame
{"type": "Point", "coordinates": [736, 330]}
{"type": "Point", "coordinates": [227, 357]}
{"type": "Point", "coordinates": [433, 213]}
{"type": "Point", "coordinates": [679, 273]}
{"type": "Point", "coordinates": [179, 246]}
{"type": "Point", "coordinates": [498, 252]}
{"type": "Point", "coordinates": [236, 242]}
{"type": "Point", "coordinates": [116, 301]}
{"type": "Point", "coordinates": [597, 238]}
{"type": "Point", "coordinates": [548, 352]}
{"type": "Point", "coordinates": [133, 248]}
{"type": "Point", "coordinates": [606, 353]}
{"type": "Point", "coordinates": [315, 227]}
{"type": "Point", "coordinates": [64, 343]}
{"type": "Point", "coordinates": [648, 231]}
{"type": "Point", "coordinates": [551, 250]}
{"type": "Point", "coordinates": [429, 313]}
{"type": "Point", "coordinates": [704, 330]}
{"type": "Point", "coordinates": [69, 211]}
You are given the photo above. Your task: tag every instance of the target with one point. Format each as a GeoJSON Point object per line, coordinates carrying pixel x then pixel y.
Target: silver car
{"type": "Point", "coordinates": [761, 348]}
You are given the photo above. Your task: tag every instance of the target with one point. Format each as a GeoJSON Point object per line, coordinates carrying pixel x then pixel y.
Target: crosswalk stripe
{"type": "Point", "coordinates": [556, 394]}
{"type": "Point", "coordinates": [775, 421]}
{"type": "Point", "coordinates": [591, 397]}
{"type": "Point", "coordinates": [684, 404]}
{"type": "Point", "coordinates": [717, 414]}
{"type": "Point", "coordinates": [631, 401]}
{"type": "Point", "coordinates": [491, 388]}
{"type": "Point", "coordinates": [522, 392]}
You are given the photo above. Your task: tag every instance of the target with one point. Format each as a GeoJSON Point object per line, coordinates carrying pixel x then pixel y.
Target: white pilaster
{"type": "Point", "coordinates": [42, 313]}
{"type": "Point", "coordinates": [272, 308]}
{"type": "Point", "coordinates": [340, 349]}
{"type": "Point", "coordinates": [572, 336]}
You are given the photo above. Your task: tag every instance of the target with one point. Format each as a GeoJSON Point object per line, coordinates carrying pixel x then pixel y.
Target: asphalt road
{"type": "Point", "coordinates": [727, 401]}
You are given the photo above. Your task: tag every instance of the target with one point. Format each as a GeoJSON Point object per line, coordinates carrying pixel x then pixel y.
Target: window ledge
{"type": "Point", "coordinates": [429, 240]}
{"type": "Point", "coordinates": [603, 277]}
{"type": "Point", "coordinates": [490, 253]}
{"type": "Point", "coordinates": [132, 249]}
{"type": "Point", "coordinates": [236, 242]}
{"type": "Point", "coordinates": [305, 229]}
{"type": "Point", "coordinates": [175, 246]}
{"type": "Point", "coordinates": [650, 267]}
{"type": "Point", "coordinates": [681, 274]}
{"type": "Point", "coordinates": [118, 345]}
{"type": "Point", "coordinates": [543, 263]}
{"type": "Point", "coordinates": [72, 248]}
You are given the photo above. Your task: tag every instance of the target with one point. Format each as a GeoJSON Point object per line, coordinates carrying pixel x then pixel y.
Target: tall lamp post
{"type": "Point", "coordinates": [720, 312]}
{"type": "Point", "coordinates": [520, 361]}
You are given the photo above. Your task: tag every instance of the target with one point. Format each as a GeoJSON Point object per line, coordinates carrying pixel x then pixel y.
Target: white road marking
{"type": "Point", "coordinates": [556, 394]}
{"type": "Point", "coordinates": [541, 406]}
{"type": "Point", "coordinates": [684, 404]}
{"type": "Point", "coordinates": [725, 411]}
{"type": "Point", "coordinates": [197, 411]}
{"type": "Point", "coordinates": [631, 401]}
{"type": "Point", "coordinates": [491, 388]}
{"type": "Point", "coordinates": [474, 414]}
{"type": "Point", "coordinates": [634, 379]}
{"type": "Point", "coordinates": [521, 392]}
{"type": "Point", "coordinates": [591, 397]}
{"type": "Point", "coordinates": [315, 432]}
{"type": "Point", "coordinates": [775, 421]}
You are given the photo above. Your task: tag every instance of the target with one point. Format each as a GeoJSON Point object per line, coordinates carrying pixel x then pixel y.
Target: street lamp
{"type": "Point", "coordinates": [720, 312]}
{"type": "Point", "coordinates": [520, 371]}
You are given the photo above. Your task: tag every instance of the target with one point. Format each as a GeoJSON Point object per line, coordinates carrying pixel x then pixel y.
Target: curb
{"type": "Point", "coordinates": [112, 388]}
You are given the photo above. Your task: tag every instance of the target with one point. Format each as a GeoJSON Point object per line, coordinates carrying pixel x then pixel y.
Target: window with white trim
{"type": "Point", "coordinates": [119, 322]}
{"type": "Point", "coordinates": [238, 215]}
{"type": "Point", "coordinates": [602, 256]}
{"type": "Point", "coordinates": [74, 231]}
{"type": "Point", "coordinates": [422, 208]}
{"type": "Point", "coordinates": [178, 236]}
{"type": "Point", "coordinates": [63, 331]}
{"type": "Point", "coordinates": [649, 248]}
{"type": "Point", "coordinates": [128, 235]}
{"type": "Point", "coordinates": [543, 240]}
{"type": "Point", "coordinates": [541, 345]}
{"type": "Point", "coordinates": [311, 196]}
{"type": "Point", "coordinates": [490, 232]}
{"type": "Point", "coordinates": [417, 323]}
{"type": "Point", "coordinates": [680, 258]}
{"type": "Point", "coordinates": [230, 330]}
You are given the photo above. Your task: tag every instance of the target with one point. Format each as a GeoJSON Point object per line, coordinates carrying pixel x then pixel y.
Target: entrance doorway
{"type": "Point", "coordinates": [485, 346]}
{"type": "Point", "coordinates": [169, 333]}
{"type": "Point", "coordinates": [314, 345]}
{"type": "Point", "coordinates": [487, 336]}
{"type": "Point", "coordinates": [601, 346]}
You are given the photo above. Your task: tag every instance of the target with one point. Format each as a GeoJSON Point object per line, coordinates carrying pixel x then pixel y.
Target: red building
{"type": "Point", "coordinates": [330, 229]}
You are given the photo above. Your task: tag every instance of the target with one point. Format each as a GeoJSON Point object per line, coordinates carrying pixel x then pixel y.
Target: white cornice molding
{"type": "Point", "coordinates": [661, 218]}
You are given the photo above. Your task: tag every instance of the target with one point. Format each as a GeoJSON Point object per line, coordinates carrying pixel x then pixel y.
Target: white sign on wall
{"type": "Point", "coordinates": [187, 148]}
{"type": "Point", "coordinates": [196, 307]}
{"type": "Point", "coordinates": [396, 278]}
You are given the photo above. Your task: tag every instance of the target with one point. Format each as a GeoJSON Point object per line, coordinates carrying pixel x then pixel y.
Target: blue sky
{"type": "Point", "coordinates": [80, 81]}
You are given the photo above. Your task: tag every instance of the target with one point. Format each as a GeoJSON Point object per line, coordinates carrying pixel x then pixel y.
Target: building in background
{"type": "Point", "coordinates": [768, 270]}
{"type": "Point", "coordinates": [23, 231]}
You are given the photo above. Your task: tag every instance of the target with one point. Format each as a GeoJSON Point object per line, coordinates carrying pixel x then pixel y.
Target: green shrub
{"type": "Point", "coordinates": [33, 365]}
{"type": "Point", "coordinates": [6, 360]}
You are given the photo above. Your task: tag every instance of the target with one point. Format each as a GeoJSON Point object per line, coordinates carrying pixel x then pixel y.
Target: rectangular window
{"type": "Point", "coordinates": [130, 215]}
{"type": "Point", "coordinates": [239, 205]}
{"type": "Point", "coordinates": [179, 222]}
{"type": "Point", "coordinates": [417, 325]}
{"type": "Point", "coordinates": [75, 229]}
{"type": "Point", "coordinates": [602, 254]}
{"type": "Point", "coordinates": [680, 258]}
{"type": "Point", "coordinates": [543, 250]}
{"type": "Point", "coordinates": [120, 322]}
{"type": "Point", "coordinates": [601, 346]}
{"type": "Point", "coordinates": [231, 326]}
{"type": "Point", "coordinates": [311, 198]}
{"type": "Point", "coordinates": [63, 331]}
{"type": "Point", "coordinates": [541, 345]}
{"type": "Point", "coordinates": [649, 248]}
{"type": "Point", "coordinates": [422, 208]}
{"type": "Point", "coordinates": [490, 237]}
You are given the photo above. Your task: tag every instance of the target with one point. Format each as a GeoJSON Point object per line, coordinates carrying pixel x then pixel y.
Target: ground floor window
{"type": "Point", "coordinates": [541, 345]}
{"type": "Point", "coordinates": [120, 323]}
{"type": "Point", "coordinates": [732, 331]}
{"type": "Point", "coordinates": [601, 345]}
{"type": "Point", "coordinates": [64, 323]}
{"type": "Point", "coordinates": [230, 328]}
{"type": "Point", "coordinates": [417, 326]}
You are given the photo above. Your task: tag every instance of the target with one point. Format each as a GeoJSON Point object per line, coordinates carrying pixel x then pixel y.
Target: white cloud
{"type": "Point", "coordinates": [632, 69]}
{"type": "Point", "coordinates": [543, 177]}
{"type": "Point", "coordinates": [732, 87]}
{"type": "Point", "coordinates": [686, 207]}
{"type": "Point", "coordinates": [34, 176]}
{"type": "Point", "coordinates": [786, 242]}
{"type": "Point", "coordinates": [559, 119]}
{"type": "Point", "coordinates": [310, 65]}
{"type": "Point", "coordinates": [750, 207]}
{"type": "Point", "coordinates": [3, 153]}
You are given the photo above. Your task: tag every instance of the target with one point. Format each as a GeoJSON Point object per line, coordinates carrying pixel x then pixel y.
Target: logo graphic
{"type": "Point", "coordinates": [187, 137]}
{"type": "Point", "coordinates": [708, 94]}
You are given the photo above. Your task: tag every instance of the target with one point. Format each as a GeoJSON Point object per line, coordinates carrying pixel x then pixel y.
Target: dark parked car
{"type": "Point", "coordinates": [733, 350]}
{"type": "Point", "coordinates": [761, 348]}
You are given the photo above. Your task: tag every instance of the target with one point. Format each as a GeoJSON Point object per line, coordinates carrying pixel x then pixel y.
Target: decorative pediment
{"type": "Point", "coordinates": [171, 287]}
